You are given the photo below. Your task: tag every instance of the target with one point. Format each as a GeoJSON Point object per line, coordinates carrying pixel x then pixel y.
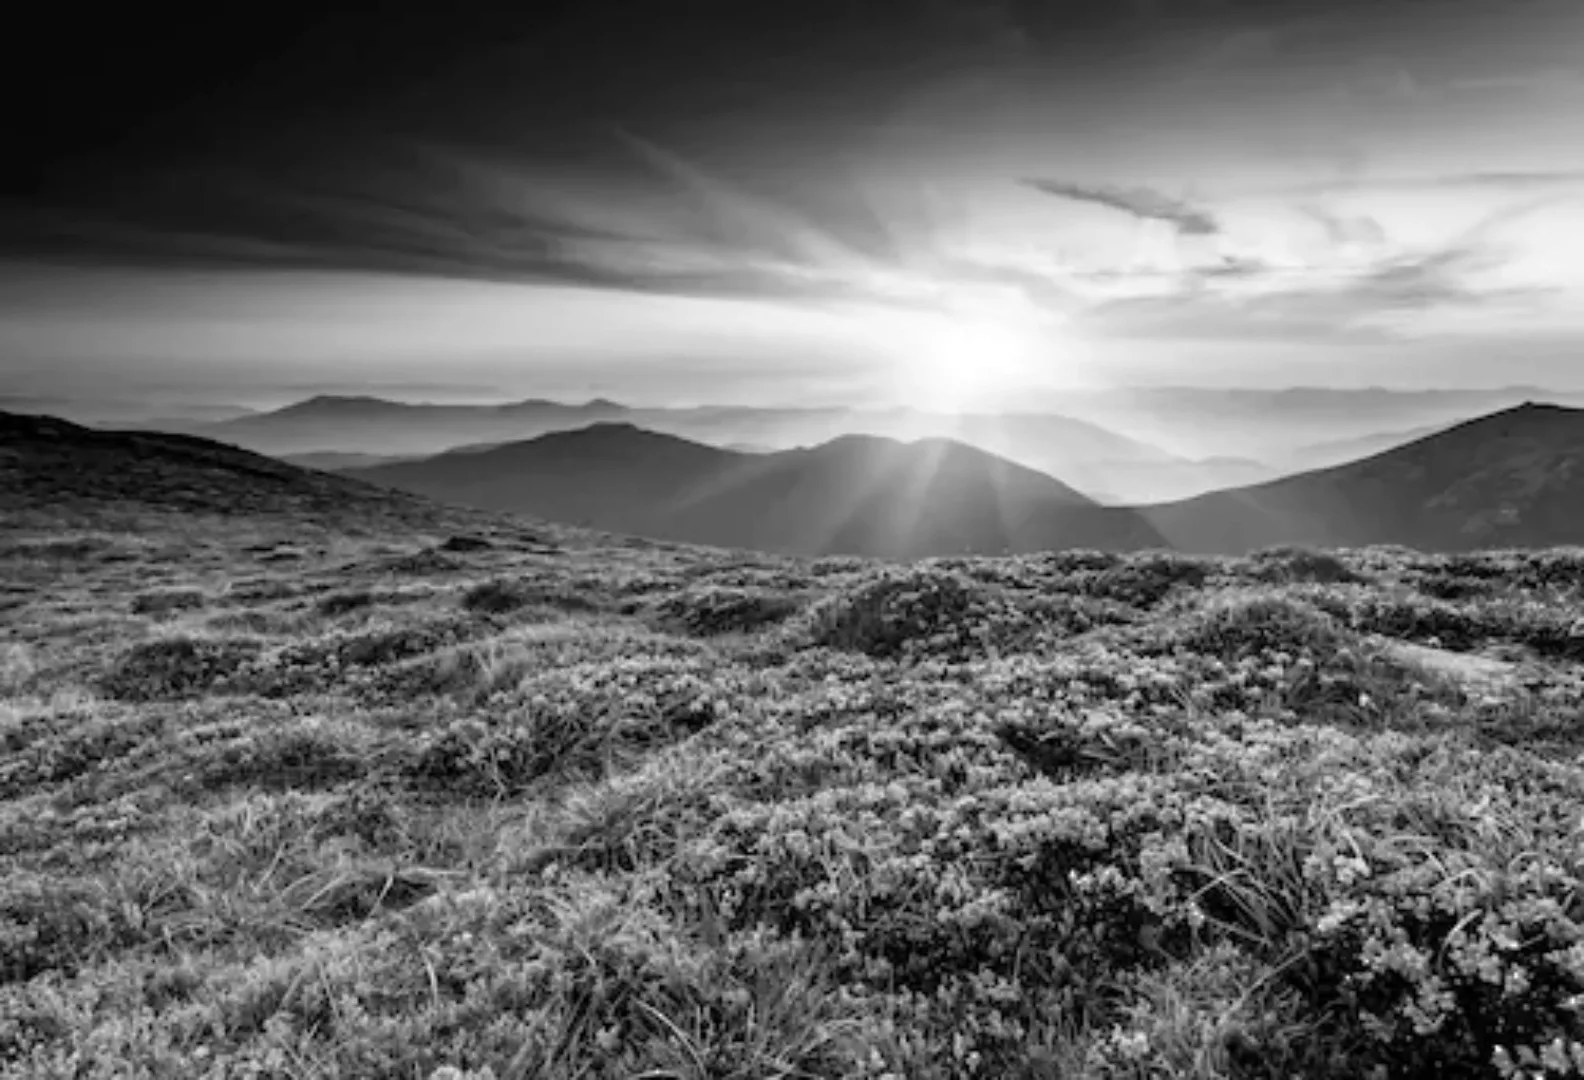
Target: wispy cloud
{"type": "Point", "coordinates": [1141, 203]}
{"type": "Point", "coordinates": [1391, 292]}
{"type": "Point", "coordinates": [1494, 181]}
{"type": "Point", "coordinates": [1345, 232]}
{"type": "Point", "coordinates": [443, 212]}
{"type": "Point", "coordinates": [1565, 80]}
{"type": "Point", "coordinates": [673, 224]}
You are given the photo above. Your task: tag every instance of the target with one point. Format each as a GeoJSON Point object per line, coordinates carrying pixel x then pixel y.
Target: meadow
{"type": "Point", "coordinates": [512, 802]}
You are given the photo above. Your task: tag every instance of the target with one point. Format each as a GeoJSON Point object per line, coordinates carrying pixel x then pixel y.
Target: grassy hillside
{"type": "Point", "coordinates": [288, 801]}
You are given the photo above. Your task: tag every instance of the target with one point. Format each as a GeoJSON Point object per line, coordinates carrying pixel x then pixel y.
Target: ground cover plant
{"type": "Point", "coordinates": [498, 802]}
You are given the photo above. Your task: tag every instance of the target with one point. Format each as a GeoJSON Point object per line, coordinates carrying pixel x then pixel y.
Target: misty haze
{"type": "Point", "coordinates": [907, 539]}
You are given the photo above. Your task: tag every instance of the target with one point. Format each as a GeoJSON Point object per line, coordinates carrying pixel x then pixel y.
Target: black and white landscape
{"type": "Point", "coordinates": [692, 540]}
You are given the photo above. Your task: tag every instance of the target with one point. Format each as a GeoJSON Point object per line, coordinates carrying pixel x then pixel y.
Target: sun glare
{"type": "Point", "coordinates": [979, 350]}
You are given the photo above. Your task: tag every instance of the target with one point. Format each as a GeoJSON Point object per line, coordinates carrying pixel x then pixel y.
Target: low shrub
{"type": "Point", "coordinates": [420, 564]}
{"type": "Point", "coordinates": [340, 603]}
{"type": "Point", "coordinates": [1142, 581]}
{"type": "Point", "coordinates": [710, 611]}
{"type": "Point", "coordinates": [1292, 565]}
{"type": "Point", "coordinates": [283, 758]}
{"type": "Point", "coordinates": [462, 545]}
{"type": "Point", "coordinates": [177, 667]}
{"type": "Point", "coordinates": [162, 602]}
{"type": "Point", "coordinates": [503, 596]}
{"type": "Point", "coordinates": [904, 613]}
{"type": "Point", "coordinates": [1242, 625]}
{"type": "Point", "coordinates": [53, 924]}
{"type": "Point", "coordinates": [17, 666]}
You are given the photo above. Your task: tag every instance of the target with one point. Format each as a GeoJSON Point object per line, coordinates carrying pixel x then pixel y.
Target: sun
{"type": "Point", "coordinates": [978, 350]}
{"type": "Point", "coordinates": [958, 359]}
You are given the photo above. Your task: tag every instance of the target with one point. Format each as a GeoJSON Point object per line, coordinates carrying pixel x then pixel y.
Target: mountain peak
{"type": "Point", "coordinates": [610, 427]}
{"type": "Point", "coordinates": [1511, 478]}
{"type": "Point", "coordinates": [340, 403]}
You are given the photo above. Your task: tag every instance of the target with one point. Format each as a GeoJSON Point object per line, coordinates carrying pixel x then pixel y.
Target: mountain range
{"type": "Point", "coordinates": [1118, 446]}
{"type": "Point", "coordinates": [1092, 458]}
{"type": "Point", "coordinates": [1513, 478]}
{"type": "Point", "coordinates": [1330, 452]}
{"type": "Point", "coordinates": [853, 495]}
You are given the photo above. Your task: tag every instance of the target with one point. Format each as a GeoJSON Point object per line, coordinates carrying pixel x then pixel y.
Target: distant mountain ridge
{"type": "Point", "coordinates": [1322, 455]}
{"type": "Point", "coordinates": [1513, 478]}
{"type": "Point", "coordinates": [1086, 455]}
{"type": "Point", "coordinates": [852, 495]}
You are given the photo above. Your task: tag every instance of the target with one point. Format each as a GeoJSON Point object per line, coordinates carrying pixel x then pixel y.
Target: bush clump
{"type": "Point", "coordinates": [340, 603]}
{"type": "Point", "coordinates": [421, 564]}
{"type": "Point", "coordinates": [162, 602]}
{"type": "Point", "coordinates": [463, 545]}
{"type": "Point", "coordinates": [49, 924]}
{"type": "Point", "coordinates": [174, 668]}
{"type": "Point", "coordinates": [1290, 565]}
{"type": "Point", "coordinates": [1256, 624]}
{"type": "Point", "coordinates": [715, 610]}
{"type": "Point", "coordinates": [914, 612]}
{"type": "Point", "coordinates": [1142, 581]}
{"type": "Point", "coordinates": [504, 596]}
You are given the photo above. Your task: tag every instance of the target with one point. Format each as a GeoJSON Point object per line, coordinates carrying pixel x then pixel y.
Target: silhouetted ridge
{"type": "Point", "coordinates": [854, 494]}
{"type": "Point", "coordinates": [53, 465]}
{"type": "Point", "coordinates": [1091, 458]}
{"type": "Point", "coordinates": [342, 403]}
{"type": "Point", "coordinates": [1512, 478]}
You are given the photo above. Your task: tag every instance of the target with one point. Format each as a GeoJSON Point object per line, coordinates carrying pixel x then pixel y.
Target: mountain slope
{"type": "Point", "coordinates": [858, 495]}
{"type": "Point", "coordinates": [61, 469]}
{"type": "Point", "coordinates": [1514, 478]}
{"type": "Point", "coordinates": [1323, 455]}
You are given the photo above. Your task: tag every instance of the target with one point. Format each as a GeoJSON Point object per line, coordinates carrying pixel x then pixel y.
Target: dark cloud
{"type": "Point", "coordinates": [437, 211]}
{"type": "Point", "coordinates": [1139, 202]}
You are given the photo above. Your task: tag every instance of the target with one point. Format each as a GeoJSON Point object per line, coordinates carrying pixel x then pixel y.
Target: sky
{"type": "Point", "coordinates": [931, 202]}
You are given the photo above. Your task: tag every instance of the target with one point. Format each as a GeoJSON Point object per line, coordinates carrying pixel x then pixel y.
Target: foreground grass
{"type": "Point", "coordinates": [496, 806]}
